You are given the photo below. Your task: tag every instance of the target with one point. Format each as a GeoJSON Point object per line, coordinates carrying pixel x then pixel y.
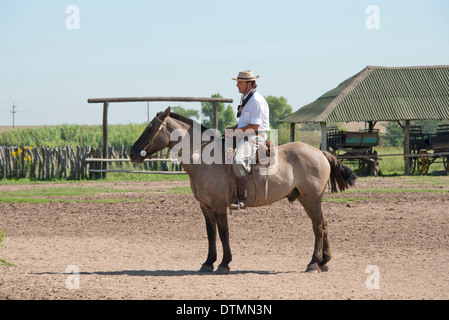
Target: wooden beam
{"type": "Point", "coordinates": [137, 171]}
{"type": "Point", "coordinates": [400, 124]}
{"type": "Point", "coordinates": [292, 131]}
{"type": "Point", "coordinates": [166, 99]}
{"type": "Point", "coordinates": [407, 147]}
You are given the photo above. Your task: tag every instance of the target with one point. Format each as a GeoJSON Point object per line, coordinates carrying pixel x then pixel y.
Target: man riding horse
{"type": "Point", "coordinates": [302, 173]}
{"type": "Point", "coordinates": [251, 131]}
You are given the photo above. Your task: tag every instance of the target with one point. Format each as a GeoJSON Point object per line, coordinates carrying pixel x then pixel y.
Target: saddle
{"type": "Point", "coordinates": [266, 155]}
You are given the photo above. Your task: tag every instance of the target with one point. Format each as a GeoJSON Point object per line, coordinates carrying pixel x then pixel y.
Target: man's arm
{"type": "Point", "coordinates": [250, 127]}
{"type": "Point", "coordinates": [232, 131]}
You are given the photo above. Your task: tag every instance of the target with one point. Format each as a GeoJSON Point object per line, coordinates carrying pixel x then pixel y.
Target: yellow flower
{"type": "Point", "coordinates": [27, 158]}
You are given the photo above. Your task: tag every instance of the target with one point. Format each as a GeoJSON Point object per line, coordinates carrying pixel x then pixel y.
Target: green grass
{"type": "Point", "coordinates": [3, 261]}
{"type": "Point", "coordinates": [398, 190]}
{"type": "Point", "coordinates": [427, 180]}
{"type": "Point", "coordinates": [111, 177]}
{"type": "Point", "coordinates": [344, 200]}
{"type": "Point", "coordinates": [390, 165]}
{"type": "Point", "coordinates": [67, 194]}
{"type": "Point", "coordinates": [46, 200]}
{"type": "Point", "coordinates": [120, 176]}
{"type": "Point", "coordinates": [180, 190]}
{"type": "Point", "coordinates": [63, 192]}
{"type": "Point", "coordinates": [53, 194]}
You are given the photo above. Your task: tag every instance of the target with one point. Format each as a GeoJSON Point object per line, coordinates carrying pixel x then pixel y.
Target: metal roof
{"type": "Point", "coordinates": [382, 94]}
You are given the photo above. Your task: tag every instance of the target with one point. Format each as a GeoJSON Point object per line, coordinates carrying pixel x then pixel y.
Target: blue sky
{"type": "Point", "coordinates": [300, 49]}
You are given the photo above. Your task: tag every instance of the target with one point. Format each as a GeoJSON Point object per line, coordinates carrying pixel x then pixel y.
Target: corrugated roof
{"type": "Point", "coordinates": [382, 94]}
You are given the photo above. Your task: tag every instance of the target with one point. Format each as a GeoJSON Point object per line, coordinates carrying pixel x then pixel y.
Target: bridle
{"type": "Point", "coordinates": [150, 143]}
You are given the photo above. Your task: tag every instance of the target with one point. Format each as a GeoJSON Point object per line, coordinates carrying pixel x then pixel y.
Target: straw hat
{"type": "Point", "coordinates": [246, 75]}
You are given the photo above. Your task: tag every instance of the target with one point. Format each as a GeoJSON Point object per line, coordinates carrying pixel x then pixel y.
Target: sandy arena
{"type": "Point", "coordinates": [385, 245]}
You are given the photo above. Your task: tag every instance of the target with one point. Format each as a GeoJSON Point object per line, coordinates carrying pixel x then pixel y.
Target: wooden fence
{"type": "Point", "coordinates": [72, 163]}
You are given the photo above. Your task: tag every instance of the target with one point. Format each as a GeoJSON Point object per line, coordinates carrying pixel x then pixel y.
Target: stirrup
{"type": "Point", "coordinates": [239, 204]}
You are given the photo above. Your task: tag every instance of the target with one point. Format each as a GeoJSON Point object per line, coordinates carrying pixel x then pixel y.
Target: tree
{"type": "Point", "coordinates": [394, 135]}
{"type": "Point", "coordinates": [226, 116]}
{"type": "Point", "coordinates": [189, 113]}
{"type": "Point", "coordinates": [279, 108]}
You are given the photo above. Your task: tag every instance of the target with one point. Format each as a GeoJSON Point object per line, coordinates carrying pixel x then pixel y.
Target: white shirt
{"type": "Point", "coordinates": [256, 111]}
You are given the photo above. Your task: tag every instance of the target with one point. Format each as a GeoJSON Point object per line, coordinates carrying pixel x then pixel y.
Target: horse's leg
{"type": "Point", "coordinates": [223, 230]}
{"type": "Point", "coordinates": [211, 228]}
{"type": "Point", "coordinates": [326, 247]}
{"type": "Point", "coordinates": [321, 253]}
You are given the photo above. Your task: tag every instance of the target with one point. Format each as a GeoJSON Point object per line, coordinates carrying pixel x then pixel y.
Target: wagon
{"type": "Point", "coordinates": [428, 148]}
{"type": "Point", "coordinates": [355, 147]}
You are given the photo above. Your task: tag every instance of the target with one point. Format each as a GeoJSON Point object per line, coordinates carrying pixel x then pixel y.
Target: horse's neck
{"type": "Point", "coordinates": [186, 143]}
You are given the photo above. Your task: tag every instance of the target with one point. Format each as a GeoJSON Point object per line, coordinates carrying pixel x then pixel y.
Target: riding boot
{"type": "Point", "coordinates": [240, 203]}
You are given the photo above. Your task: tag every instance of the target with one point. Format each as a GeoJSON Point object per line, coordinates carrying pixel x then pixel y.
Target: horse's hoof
{"type": "Point", "coordinates": [324, 268]}
{"type": "Point", "coordinates": [313, 268]}
{"type": "Point", "coordinates": [222, 270]}
{"type": "Point", "coordinates": [206, 269]}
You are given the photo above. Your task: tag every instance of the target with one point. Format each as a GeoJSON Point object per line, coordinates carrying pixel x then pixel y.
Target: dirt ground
{"type": "Point", "coordinates": [384, 246]}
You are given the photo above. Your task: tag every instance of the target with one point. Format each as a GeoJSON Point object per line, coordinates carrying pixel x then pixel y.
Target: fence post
{"type": "Point", "coordinates": [105, 136]}
{"type": "Point", "coordinates": [97, 165]}
{"type": "Point", "coordinates": [41, 163]}
{"type": "Point", "coordinates": [8, 163]}
{"type": "Point", "coordinates": [3, 161]}
{"type": "Point", "coordinates": [52, 162]}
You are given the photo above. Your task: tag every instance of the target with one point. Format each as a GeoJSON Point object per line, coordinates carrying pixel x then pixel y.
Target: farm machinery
{"type": "Point", "coordinates": [428, 148]}
{"type": "Point", "coordinates": [355, 147]}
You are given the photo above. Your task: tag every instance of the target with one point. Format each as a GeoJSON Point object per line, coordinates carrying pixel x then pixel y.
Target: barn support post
{"type": "Point", "coordinates": [292, 131]}
{"type": "Point", "coordinates": [105, 136]}
{"type": "Point", "coordinates": [215, 115]}
{"type": "Point", "coordinates": [323, 136]}
{"type": "Point", "coordinates": [407, 147]}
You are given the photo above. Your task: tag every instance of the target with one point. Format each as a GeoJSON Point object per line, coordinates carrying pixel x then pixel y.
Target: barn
{"type": "Point", "coordinates": [375, 94]}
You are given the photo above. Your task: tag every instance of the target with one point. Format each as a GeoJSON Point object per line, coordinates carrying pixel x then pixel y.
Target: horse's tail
{"type": "Point", "coordinates": [341, 176]}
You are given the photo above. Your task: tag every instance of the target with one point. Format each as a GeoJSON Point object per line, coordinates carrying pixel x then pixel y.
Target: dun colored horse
{"type": "Point", "coordinates": [302, 174]}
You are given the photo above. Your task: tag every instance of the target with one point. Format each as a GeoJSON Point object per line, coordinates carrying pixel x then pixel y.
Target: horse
{"type": "Point", "coordinates": [303, 173]}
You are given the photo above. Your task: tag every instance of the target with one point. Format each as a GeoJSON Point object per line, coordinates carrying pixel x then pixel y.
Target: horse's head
{"type": "Point", "coordinates": [154, 138]}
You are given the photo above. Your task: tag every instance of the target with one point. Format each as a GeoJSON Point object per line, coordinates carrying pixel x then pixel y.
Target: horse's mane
{"type": "Point", "coordinates": [184, 119]}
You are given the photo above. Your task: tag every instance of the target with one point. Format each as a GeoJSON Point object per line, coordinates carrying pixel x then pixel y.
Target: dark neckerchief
{"type": "Point", "coordinates": [244, 101]}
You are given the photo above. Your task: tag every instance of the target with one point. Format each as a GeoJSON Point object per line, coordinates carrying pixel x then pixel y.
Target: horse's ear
{"type": "Point", "coordinates": [165, 114]}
